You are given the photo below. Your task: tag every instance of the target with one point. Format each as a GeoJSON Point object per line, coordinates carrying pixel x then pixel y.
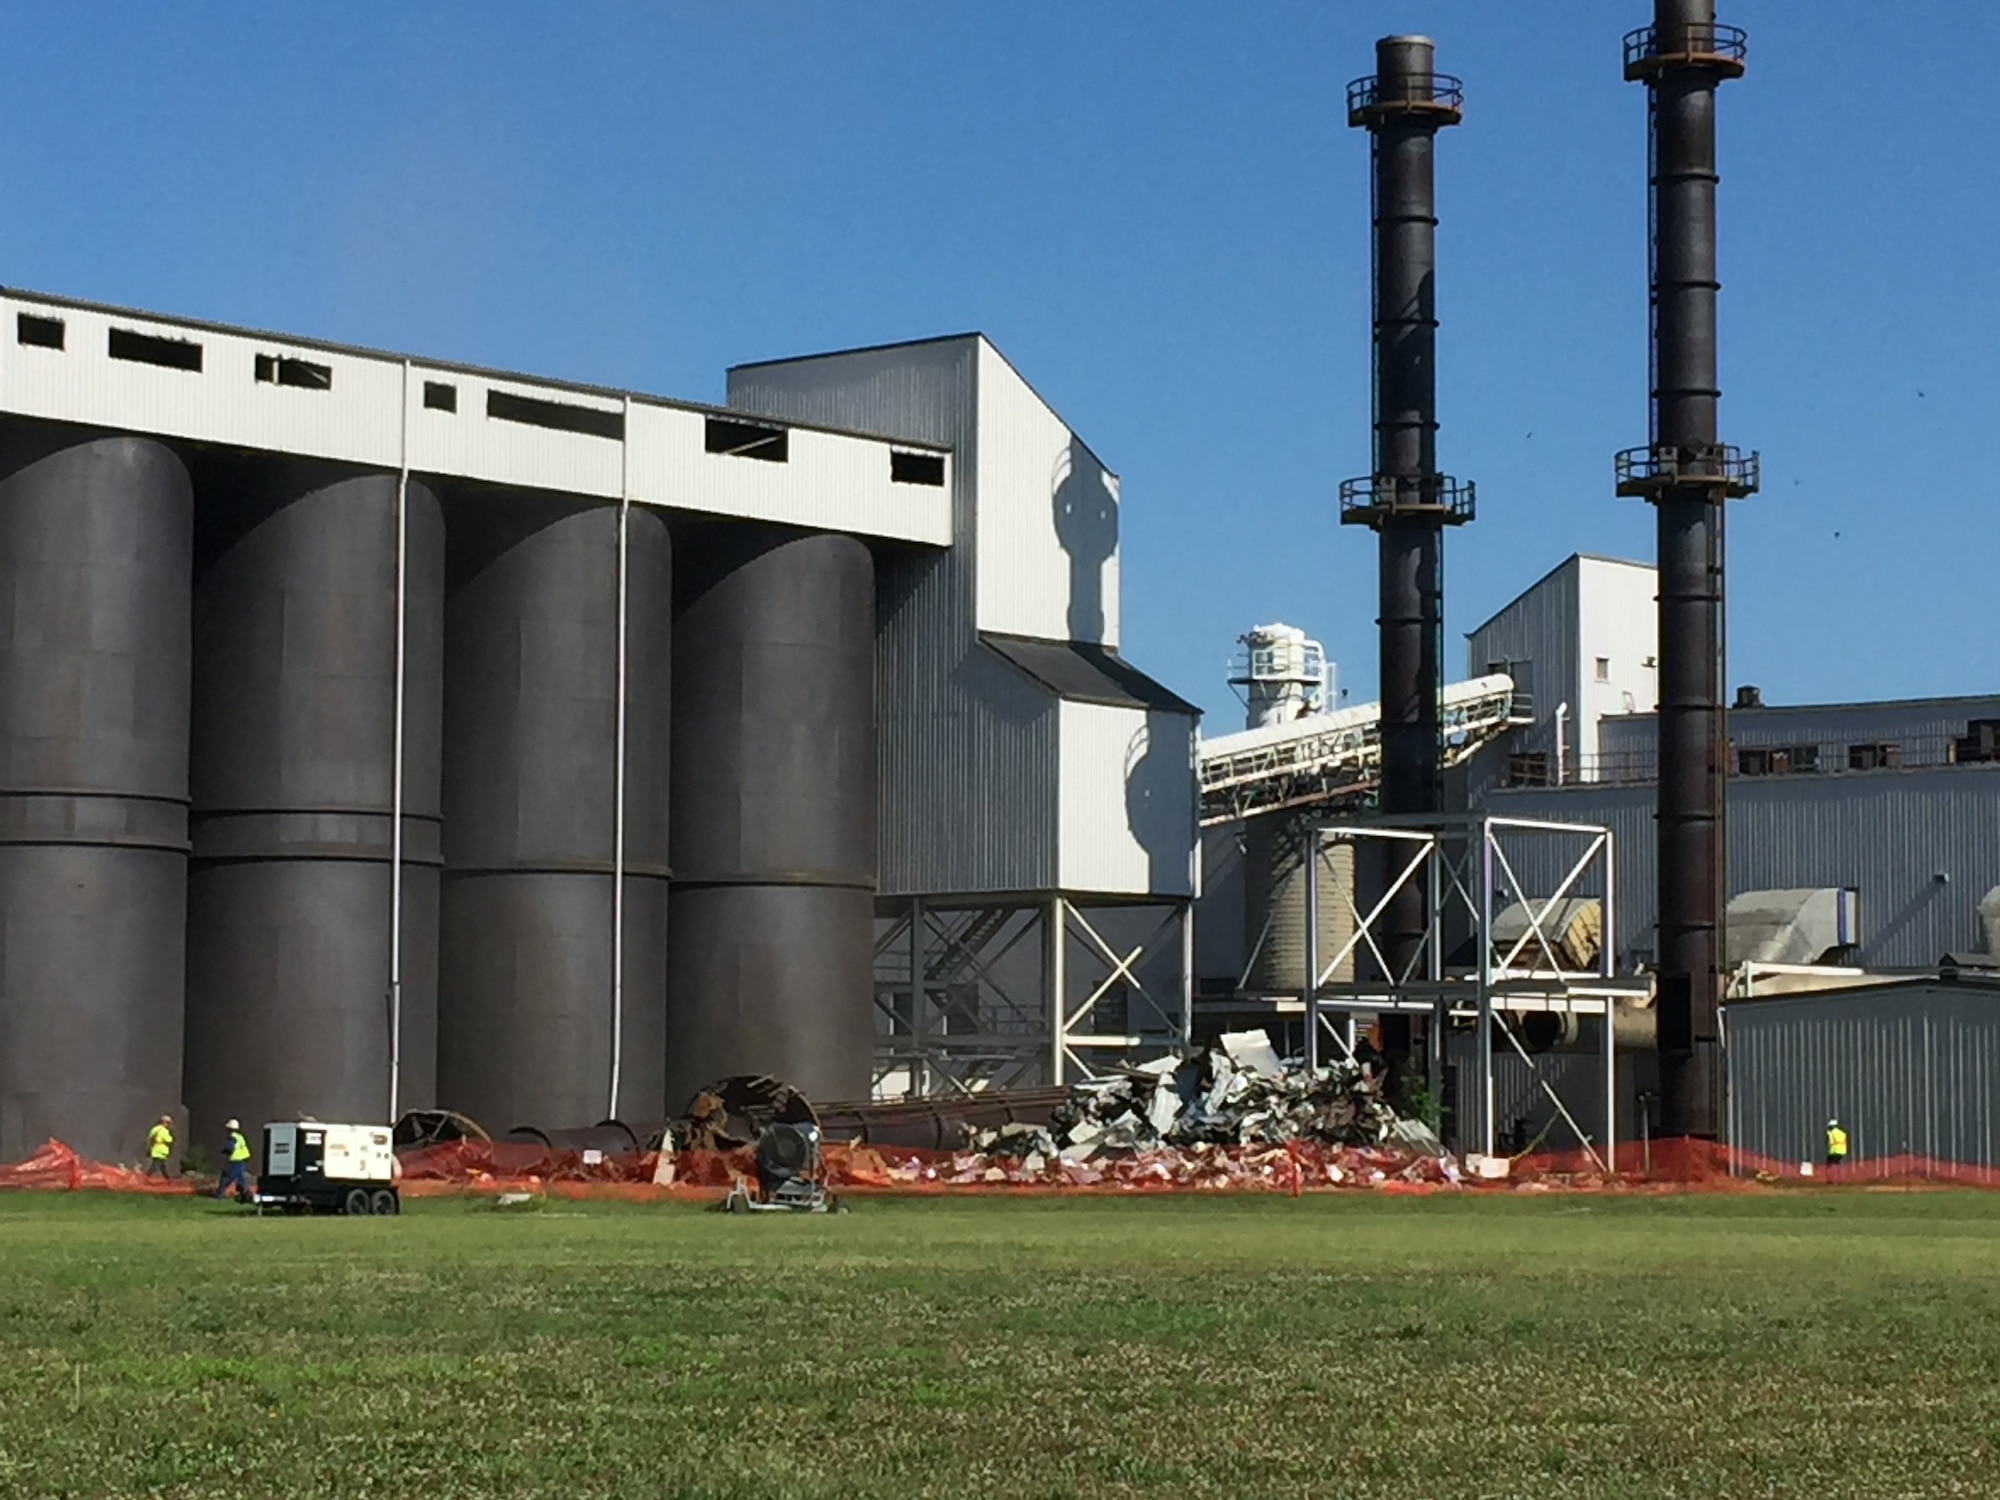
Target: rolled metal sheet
{"type": "Point", "coordinates": [95, 543]}
{"type": "Point", "coordinates": [294, 784]}
{"type": "Point", "coordinates": [773, 811]}
{"type": "Point", "coordinates": [530, 778]}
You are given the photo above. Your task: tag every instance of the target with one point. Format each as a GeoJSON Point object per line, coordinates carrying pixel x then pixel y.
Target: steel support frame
{"type": "Point", "coordinates": [954, 1016]}
{"type": "Point", "coordinates": [1462, 865]}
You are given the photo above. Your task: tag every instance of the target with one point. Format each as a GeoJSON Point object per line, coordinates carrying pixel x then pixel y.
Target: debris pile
{"type": "Point", "coordinates": [1188, 1115]}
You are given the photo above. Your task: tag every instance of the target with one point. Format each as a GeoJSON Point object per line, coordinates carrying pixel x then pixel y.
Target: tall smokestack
{"type": "Point", "coordinates": [1405, 499]}
{"type": "Point", "coordinates": [1687, 475]}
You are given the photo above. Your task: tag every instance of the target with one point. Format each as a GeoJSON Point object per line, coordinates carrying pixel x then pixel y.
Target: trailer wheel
{"type": "Point", "coordinates": [355, 1203]}
{"type": "Point", "coordinates": [384, 1202]}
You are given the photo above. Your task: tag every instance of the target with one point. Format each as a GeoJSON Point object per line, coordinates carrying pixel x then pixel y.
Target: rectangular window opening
{"type": "Point", "coordinates": [151, 349]}
{"type": "Point", "coordinates": [1874, 756]}
{"type": "Point", "coordinates": [747, 440]}
{"type": "Point", "coordinates": [439, 396]}
{"type": "Point", "coordinates": [1980, 742]}
{"type": "Point", "coordinates": [301, 374]}
{"type": "Point", "coordinates": [1777, 760]}
{"type": "Point", "coordinates": [39, 333]}
{"type": "Point", "coordinates": [559, 416]}
{"type": "Point", "coordinates": [916, 468]}
{"type": "Point", "coordinates": [1603, 669]}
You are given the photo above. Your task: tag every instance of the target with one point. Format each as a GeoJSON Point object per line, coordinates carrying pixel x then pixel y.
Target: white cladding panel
{"type": "Point", "coordinates": [1618, 633]}
{"type": "Point", "coordinates": [1127, 821]}
{"type": "Point", "coordinates": [1047, 550]}
{"type": "Point", "coordinates": [369, 409]}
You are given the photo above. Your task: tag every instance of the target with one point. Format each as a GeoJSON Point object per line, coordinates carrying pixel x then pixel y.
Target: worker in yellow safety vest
{"type": "Point", "coordinates": [1836, 1144]}
{"type": "Point", "coordinates": [159, 1147]}
{"type": "Point", "coordinates": [236, 1173]}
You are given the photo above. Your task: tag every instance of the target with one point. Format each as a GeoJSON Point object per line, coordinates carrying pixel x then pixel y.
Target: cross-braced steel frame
{"type": "Point", "coordinates": [1463, 972]}
{"type": "Point", "coordinates": [977, 993]}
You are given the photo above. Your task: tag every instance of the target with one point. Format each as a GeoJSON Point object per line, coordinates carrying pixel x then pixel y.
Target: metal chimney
{"type": "Point", "coordinates": [1687, 475]}
{"type": "Point", "coordinates": [1405, 500]}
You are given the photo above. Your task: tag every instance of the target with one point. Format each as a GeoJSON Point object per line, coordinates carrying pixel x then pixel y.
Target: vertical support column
{"type": "Point", "coordinates": [1488, 1125]}
{"type": "Point", "coordinates": [1309, 991]}
{"type": "Point", "coordinates": [1055, 984]}
{"type": "Point", "coordinates": [920, 1068]}
{"type": "Point", "coordinates": [618, 800]}
{"type": "Point", "coordinates": [396, 809]}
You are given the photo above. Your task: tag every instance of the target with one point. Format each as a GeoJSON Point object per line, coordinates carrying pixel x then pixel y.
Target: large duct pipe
{"type": "Point", "coordinates": [773, 821]}
{"type": "Point", "coordinates": [295, 737]}
{"type": "Point", "coordinates": [1688, 475]}
{"type": "Point", "coordinates": [95, 537]}
{"type": "Point", "coordinates": [532, 1027]}
{"type": "Point", "coordinates": [1406, 500]}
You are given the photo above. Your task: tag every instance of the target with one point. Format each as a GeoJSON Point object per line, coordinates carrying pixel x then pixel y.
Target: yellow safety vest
{"type": "Point", "coordinates": [160, 1142]}
{"type": "Point", "coordinates": [1836, 1142]}
{"type": "Point", "coordinates": [239, 1149]}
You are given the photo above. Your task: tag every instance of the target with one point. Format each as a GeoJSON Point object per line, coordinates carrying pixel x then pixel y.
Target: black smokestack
{"type": "Point", "coordinates": [1405, 499]}
{"type": "Point", "coordinates": [1688, 475]}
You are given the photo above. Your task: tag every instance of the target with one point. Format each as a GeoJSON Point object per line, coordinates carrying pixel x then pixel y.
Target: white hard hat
{"type": "Point", "coordinates": [1832, 1124]}
{"type": "Point", "coordinates": [232, 1125]}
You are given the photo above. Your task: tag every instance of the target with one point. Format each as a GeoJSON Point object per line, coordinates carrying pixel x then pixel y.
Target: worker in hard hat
{"type": "Point", "coordinates": [159, 1147]}
{"type": "Point", "coordinates": [1836, 1144]}
{"type": "Point", "coordinates": [236, 1167]}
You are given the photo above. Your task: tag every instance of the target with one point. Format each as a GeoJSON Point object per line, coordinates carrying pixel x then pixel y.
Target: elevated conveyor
{"type": "Point", "coordinates": [1331, 760]}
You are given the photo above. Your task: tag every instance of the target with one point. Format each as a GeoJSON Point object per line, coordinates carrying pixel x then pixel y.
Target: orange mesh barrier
{"type": "Point", "coordinates": [54, 1165]}
{"type": "Point", "coordinates": [482, 1167]}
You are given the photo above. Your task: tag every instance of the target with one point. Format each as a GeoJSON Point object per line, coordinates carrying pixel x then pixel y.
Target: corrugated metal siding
{"type": "Point", "coordinates": [1522, 1109]}
{"type": "Point", "coordinates": [968, 745]}
{"type": "Point", "coordinates": [1539, 628]}
{"type": "Point", "coordinates": [1127, 817]}
{"type": "Point", "coordinates": [1922, 731]}
{"type": "Point", "coordinates": [1047, 550]}
{"type": "Point", "coordinates": [832, 481]}
{"type": "Point", "coordinates": [1887, 834]}
{"type": "Point", "coordinates": [1906, 1069]}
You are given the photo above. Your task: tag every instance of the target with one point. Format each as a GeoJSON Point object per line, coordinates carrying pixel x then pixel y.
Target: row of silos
{"type": "Point", "coordinates": [334, 794]}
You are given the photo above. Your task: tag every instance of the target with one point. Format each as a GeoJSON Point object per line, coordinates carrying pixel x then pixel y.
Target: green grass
{"type": "Point", "coordinates": [1812, 1345]}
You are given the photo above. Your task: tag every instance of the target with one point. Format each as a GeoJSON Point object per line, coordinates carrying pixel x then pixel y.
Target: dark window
{"type": "Point", "coordinates": [41, 333]}
{"type": "Point", "coordinates": [747, 440]}
{"type": "Point", "coordinates": [302, 374]}
{"type": "Point", "coordinates": [150, 349]}
{"type": "Point", "coordinates": [440, 397]}
{"type": "Point", "coordinates": [1875, 756]}
{"type": "Point", "coordinates": [1777, 760]}
{"type": "Point", "coordinates": [559, 416]}
{"type": "Point", "coordinates": [1981, 741]}
{"type": "Point", "coordinates": [916, 468]}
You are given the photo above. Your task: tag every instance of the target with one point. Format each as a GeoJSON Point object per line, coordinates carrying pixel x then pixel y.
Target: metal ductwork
{"type": "Point", "coordinates": [1688, 475]}
{"type": "Point", "coordinates": [1405, 500]}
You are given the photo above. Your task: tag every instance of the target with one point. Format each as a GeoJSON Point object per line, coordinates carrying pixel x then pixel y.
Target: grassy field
{"type": "Point", "coordinates": [1822, 1346]}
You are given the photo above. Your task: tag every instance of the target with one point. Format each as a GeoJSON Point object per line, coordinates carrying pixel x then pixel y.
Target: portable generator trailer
{"type": "Point", "coordinates": [310, 1167]}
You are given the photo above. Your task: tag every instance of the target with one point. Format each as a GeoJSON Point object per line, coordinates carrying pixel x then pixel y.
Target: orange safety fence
{"type": "Point", "coordinates": [54, 1165]}
{"type": "Point", "coordinates": [468, 1167]}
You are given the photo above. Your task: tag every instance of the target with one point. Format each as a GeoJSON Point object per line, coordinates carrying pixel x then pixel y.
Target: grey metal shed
{"type": "Point", "coordinates": [1910, 1067]}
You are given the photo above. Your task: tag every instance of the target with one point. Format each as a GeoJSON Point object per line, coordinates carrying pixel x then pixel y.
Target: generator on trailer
{"type": "Point", "coordinates": [310, 1167]}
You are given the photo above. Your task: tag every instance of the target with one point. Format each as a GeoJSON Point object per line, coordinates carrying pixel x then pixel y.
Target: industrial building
{"type": "Point", "coordinates": [382, 732]}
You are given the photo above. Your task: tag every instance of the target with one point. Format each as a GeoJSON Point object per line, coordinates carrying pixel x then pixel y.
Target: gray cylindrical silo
{"type": "Point", "coordinates": [1274, 906]}
{"type": "Point", "coordinates": [525, 1003]}
{"type": "Point", "coordinates": [293, 774]}
{"type": "Point", "coordinates": [773, 820]}
{"type": "Point", "coordinates": [95, 536]}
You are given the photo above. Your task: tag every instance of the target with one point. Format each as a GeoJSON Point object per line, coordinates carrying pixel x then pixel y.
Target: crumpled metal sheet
{"type": "Point", "coordinates": [1239, 1093]}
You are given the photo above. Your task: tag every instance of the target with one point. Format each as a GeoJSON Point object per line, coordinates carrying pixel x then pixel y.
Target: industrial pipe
{"type": "Point", "coordinates": [1406, 501]}
{"type": "Point", "coordinates": [1687, 475]}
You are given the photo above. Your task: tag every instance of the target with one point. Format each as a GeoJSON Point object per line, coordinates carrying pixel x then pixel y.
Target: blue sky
{"type": "Point", "coordinates": [1157, 212]}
